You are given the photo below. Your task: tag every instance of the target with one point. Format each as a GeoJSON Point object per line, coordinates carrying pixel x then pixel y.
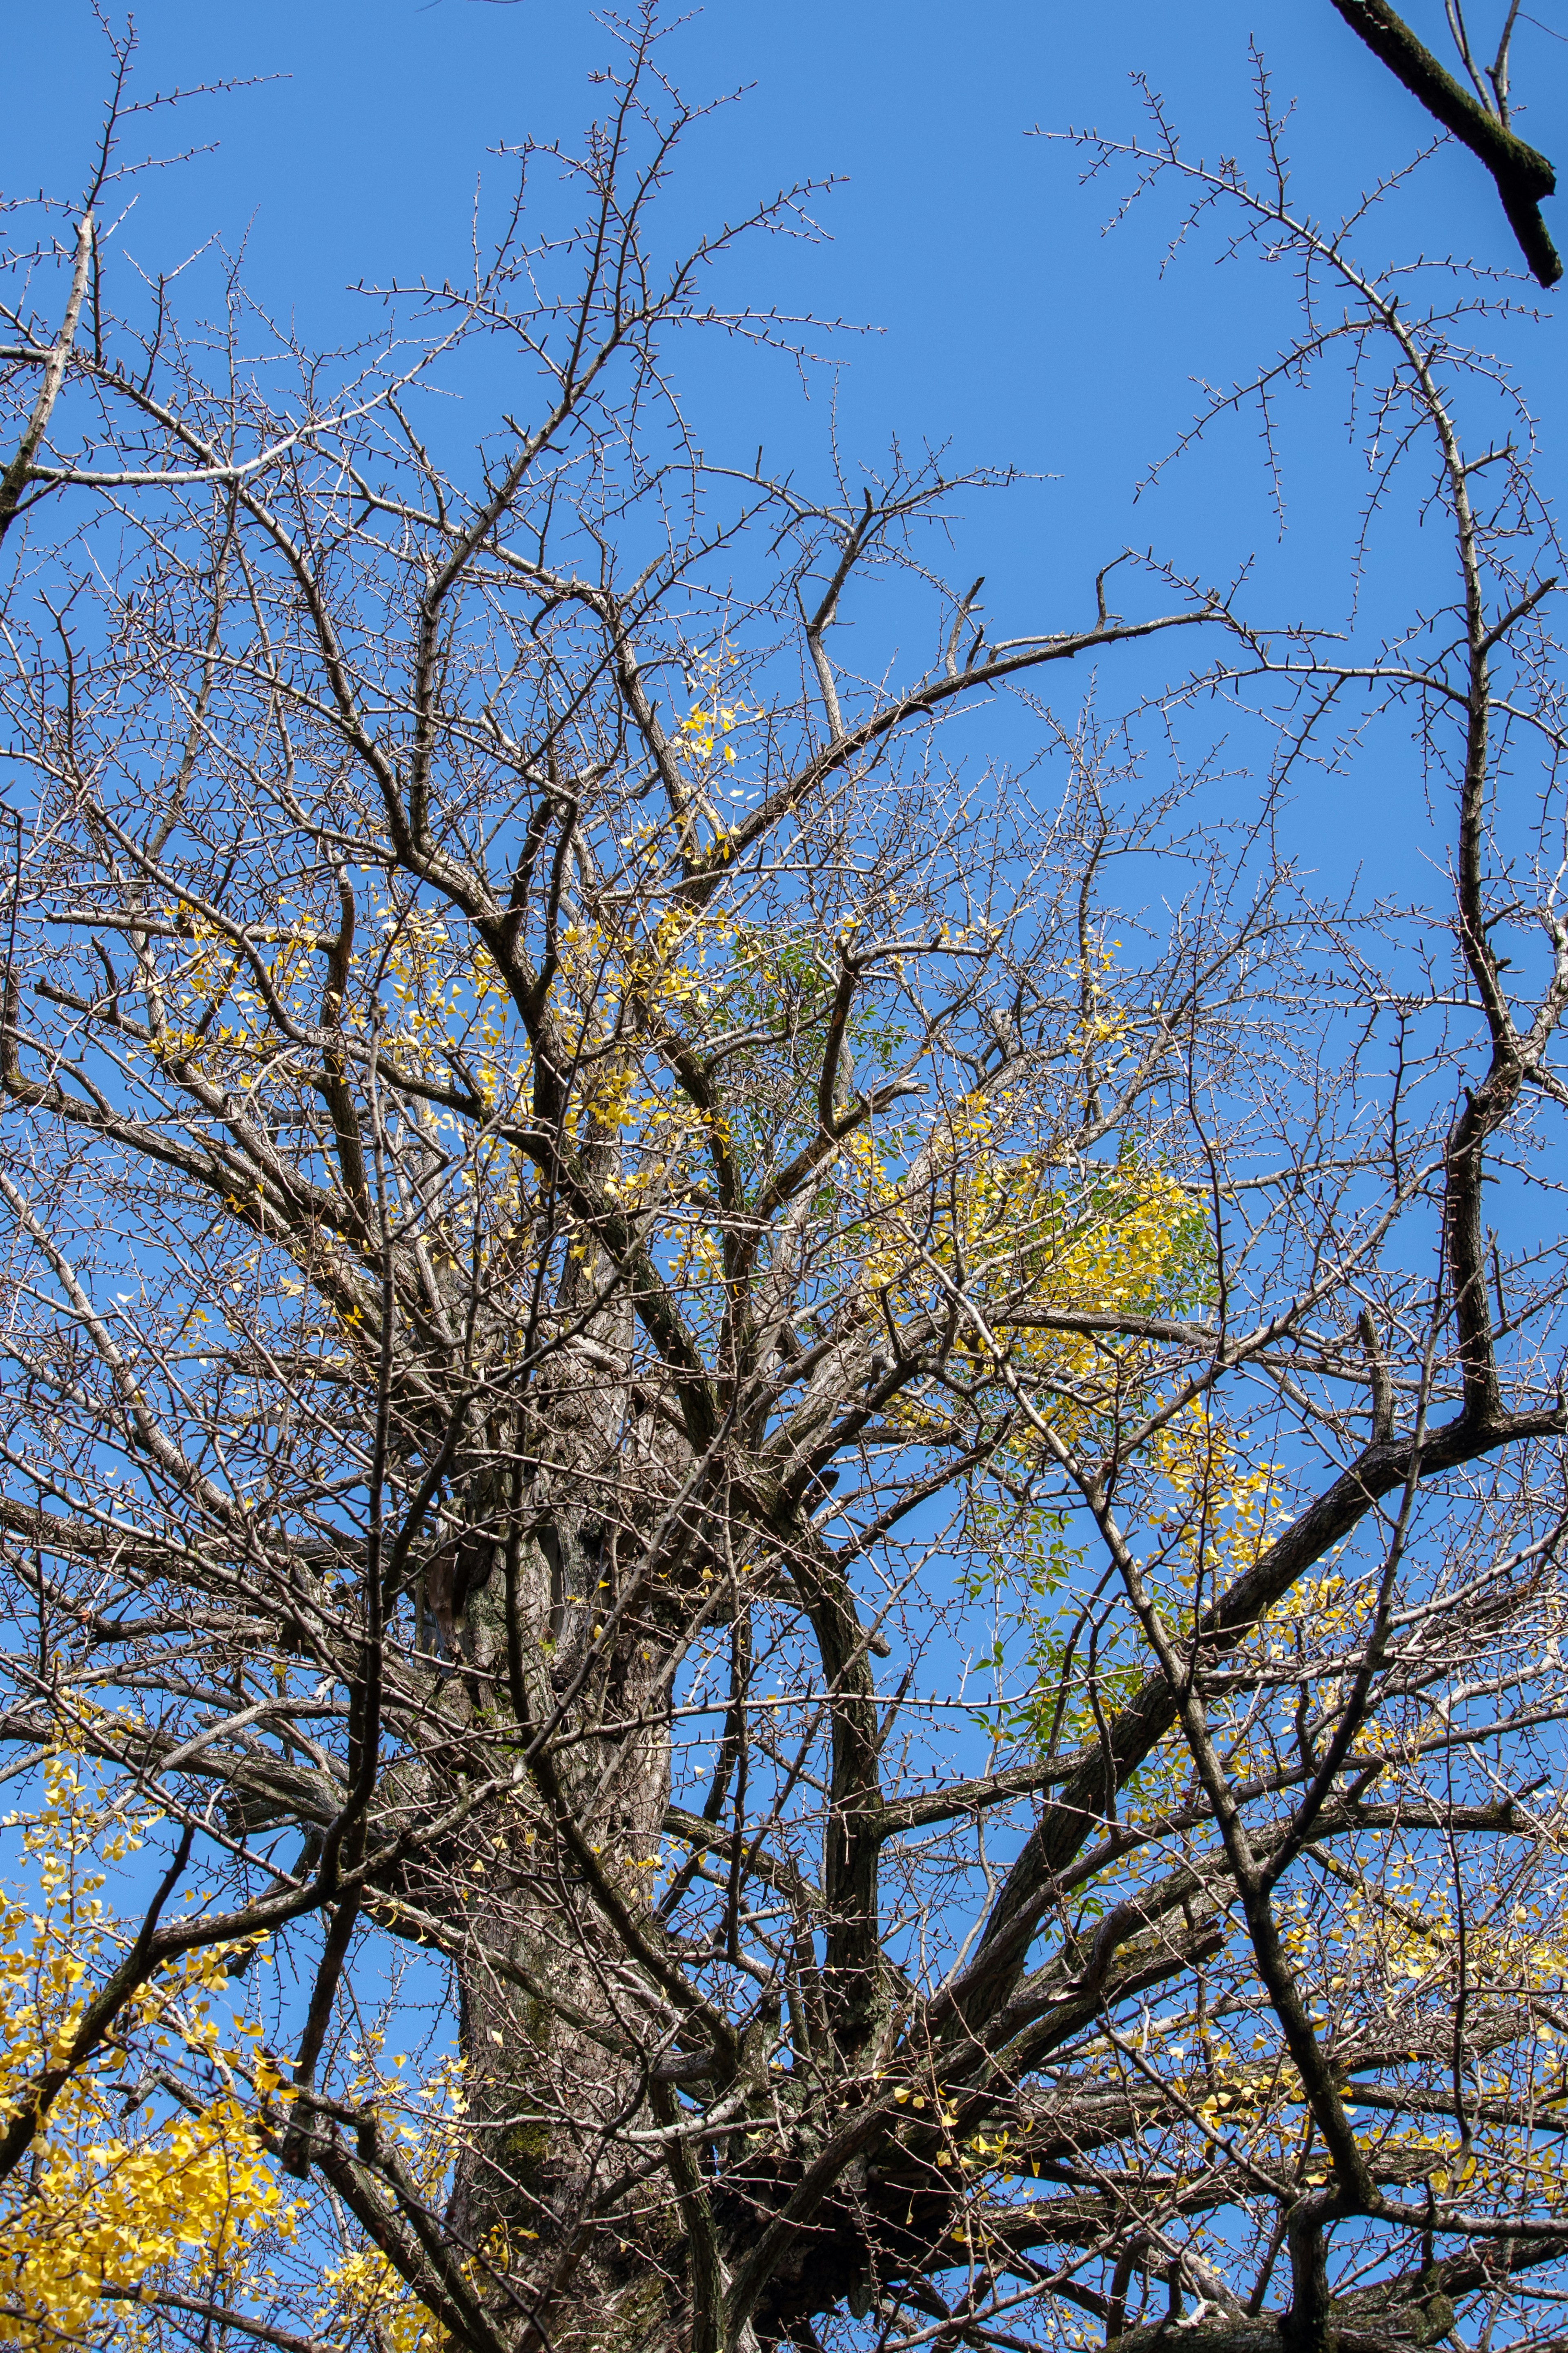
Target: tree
{"type": "Point", "coordinates": [1479, 117]}
{"type": "Point", "coordinates": [590, 1219]}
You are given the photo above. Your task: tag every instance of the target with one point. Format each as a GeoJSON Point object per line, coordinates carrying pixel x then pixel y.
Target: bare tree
{"type": "Point", "coordinates": [878, 1529]}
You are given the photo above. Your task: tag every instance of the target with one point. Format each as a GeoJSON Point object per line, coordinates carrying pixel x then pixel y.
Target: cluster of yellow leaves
{"type": "Point", "coordinates": [372, 2298]}
{"type": "Point", "coordinates": [662, 979]}
{"type": "Point", "coordinates": [1402, 1928]}
{"type": "Point", "coordinates": [711, 719]}
{"type": "Point", "coordinates": [1003, 1227]}
{"type": "Point", "coordinates": [368, 2299]}
{"type": "Point", "coordinates": [104, 2218]}
{"type": "Point", "coordinates": [999, 1239]}
{"type": "Point", "coordinates": [120, 2188]}
{"type": "Point", "coordinates": [1218, 1506]}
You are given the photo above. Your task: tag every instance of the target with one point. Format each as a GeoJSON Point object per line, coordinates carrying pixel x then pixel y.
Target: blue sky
{"type": "Point", "coordinates": [1007, 326]}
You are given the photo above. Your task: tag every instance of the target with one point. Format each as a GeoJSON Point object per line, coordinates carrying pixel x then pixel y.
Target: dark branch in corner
{"type": "Point", "coordinates": [1522, 175]}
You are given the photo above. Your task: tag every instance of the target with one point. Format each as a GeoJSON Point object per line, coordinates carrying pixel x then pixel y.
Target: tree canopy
{"type": "Point", "coordinates": [783, 1494]}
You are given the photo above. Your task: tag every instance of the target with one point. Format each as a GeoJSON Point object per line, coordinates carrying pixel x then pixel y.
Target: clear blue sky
{"type": "Point", "coordinates": [1007, 326]}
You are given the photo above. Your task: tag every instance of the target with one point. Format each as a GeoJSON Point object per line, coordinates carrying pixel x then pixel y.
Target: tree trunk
{"type": "Point", "coordinates": [557, 2069]}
